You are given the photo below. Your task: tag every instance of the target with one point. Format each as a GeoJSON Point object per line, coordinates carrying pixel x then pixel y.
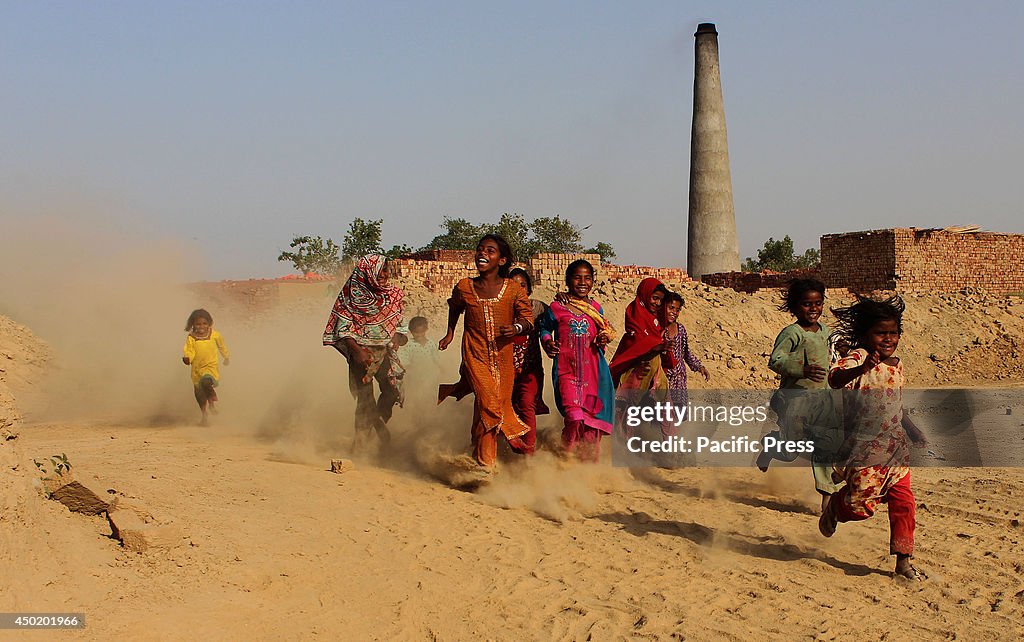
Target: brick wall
{"type": "Point", "coordinates": [452, 256]}
{"type": "Point", "coordinates": [860, 261]}
{"type": "Point", "coordinates": [546, 270]}
{"type": "Point", "coordinates": [751, 282]}
{"type": "Point", "coordinates": [914, 259]}
{"type": "Point", "coordinates": [435, 275]}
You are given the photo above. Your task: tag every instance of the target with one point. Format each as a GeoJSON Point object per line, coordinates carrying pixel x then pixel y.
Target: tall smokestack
{"type": "Point", "coordinates": [711, 244]}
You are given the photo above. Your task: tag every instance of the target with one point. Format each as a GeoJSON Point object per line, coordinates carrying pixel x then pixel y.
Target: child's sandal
{"type": "Point", "coordinates": [912, 575]}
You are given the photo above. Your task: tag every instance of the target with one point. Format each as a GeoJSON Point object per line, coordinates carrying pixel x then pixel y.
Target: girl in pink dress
{"type": "Point", "coordinates": [574, 333]}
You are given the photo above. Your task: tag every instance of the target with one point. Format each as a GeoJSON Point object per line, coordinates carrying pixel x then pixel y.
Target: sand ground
{"type": "Point", "coordinates": [281, 548]}
{"type": "Point", "coordinates": [277, 547]}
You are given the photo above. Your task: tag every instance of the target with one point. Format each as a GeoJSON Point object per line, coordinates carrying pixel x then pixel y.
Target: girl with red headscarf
{"type": "Point", "coordinates": [637, 368]}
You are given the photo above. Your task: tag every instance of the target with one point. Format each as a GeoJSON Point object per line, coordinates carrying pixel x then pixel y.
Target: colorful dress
{"type": "Point", "coordinates": [488, 368]}
{"type": "Point", "coordinates": [878, 467]}
{"type": "Point", "coordinates": [641, 339]}
{"type": "Point", "coordinates": [684, 359]}
{"type": "Point", "coordinates": [641, 344]}
{"type": "Point", "coordinates": [369, 313]}
{"type": "Point", "coordinates": [584, 392]}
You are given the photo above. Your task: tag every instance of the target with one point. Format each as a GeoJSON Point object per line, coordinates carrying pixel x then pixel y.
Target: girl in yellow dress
{"type": "Point", "coordinates": [201, 349]}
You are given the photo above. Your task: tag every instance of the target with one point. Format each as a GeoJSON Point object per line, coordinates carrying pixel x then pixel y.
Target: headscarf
{"type": "Point", "coordinates": [643, 333]}
{"type": "Point", "coordinates": [365, 311]}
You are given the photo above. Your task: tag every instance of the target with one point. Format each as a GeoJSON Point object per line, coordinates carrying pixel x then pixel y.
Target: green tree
{"type": "Point", "coordinates": [459, 234]}
{"type": "Point", "coordinates": [514, 229]}
{"type": "Point", "coordinates": [780, 256]}
{"type": "Point", "coordinates": [313, 254]}
{"type": "Point", "coordinates": [605, 250]}
{"type": "Point", "coordinates": [545, 234]}
{"type": "Point", "coordinates": [362, 238]}
{"type": "Point", "coordinates": [398, 250]}
{"type": "Point", "coordinates": [556, 234]}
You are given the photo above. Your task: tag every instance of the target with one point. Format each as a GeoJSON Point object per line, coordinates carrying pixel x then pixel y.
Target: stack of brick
{"type": "Point", "coordinates": [636, 272]}
{"type": "Point", "coordinates": [931, 260]}
{"type": "Point", "coordinates": [435, 275]}
{"type": "Point", "coordinates": [750, 282]}
{"type": "Point", "coordinates": [548, 270]}
{"type": "Point", "coordinates": [450, 256]}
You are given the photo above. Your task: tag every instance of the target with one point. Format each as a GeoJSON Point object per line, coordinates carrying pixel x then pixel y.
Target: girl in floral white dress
{"type": "Point", "coordinates": [877, 467]}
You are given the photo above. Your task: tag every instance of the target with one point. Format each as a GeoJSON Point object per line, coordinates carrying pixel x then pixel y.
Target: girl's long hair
{"type": "Point", "coordinates": [854, 322]}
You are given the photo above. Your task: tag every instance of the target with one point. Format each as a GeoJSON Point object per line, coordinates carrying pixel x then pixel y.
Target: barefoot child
{"type": "Point", "coordinates": [877, 468]}
{"type": "Point", "coordinates": [528, 391]}
{"type": "Point", "coordinates": [800, 356]}
{"type": "Point", "coordinates": [497, 310]}
{"type": "Point", "coordinates": [201, 348]}
{"type": "Point", "coordinates": [574, 333]}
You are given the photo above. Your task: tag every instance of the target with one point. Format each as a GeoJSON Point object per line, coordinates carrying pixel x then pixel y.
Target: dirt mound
{"type": "Point", "coordinates": [949, 339]}
{"type": "Point", "coordinates": [23, 360]}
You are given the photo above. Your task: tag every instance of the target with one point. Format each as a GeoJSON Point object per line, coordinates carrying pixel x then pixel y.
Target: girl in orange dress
{"type": "Point", "coordinates": [497, 310]}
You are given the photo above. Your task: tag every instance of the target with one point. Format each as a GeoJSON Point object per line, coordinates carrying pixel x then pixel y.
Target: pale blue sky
{"type": "Point", "coordinates": [234, 126]}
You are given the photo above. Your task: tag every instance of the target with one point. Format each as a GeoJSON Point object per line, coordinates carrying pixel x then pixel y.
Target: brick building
{"type": "Point", "coordinates": [916, 259]}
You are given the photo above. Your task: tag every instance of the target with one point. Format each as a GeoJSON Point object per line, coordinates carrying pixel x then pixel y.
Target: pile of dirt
{"type": "Point", "coordinates": [23, 361]}
{"type": "Point", "coordinates": [949, 339]}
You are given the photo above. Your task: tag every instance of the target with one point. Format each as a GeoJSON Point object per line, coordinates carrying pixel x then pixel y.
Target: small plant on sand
{"type": "Point", "coordinates": [58, 464]}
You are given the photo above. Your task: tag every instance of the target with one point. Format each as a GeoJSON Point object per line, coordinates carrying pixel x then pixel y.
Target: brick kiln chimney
{"type": "Point", "coordinates": [711, 243]}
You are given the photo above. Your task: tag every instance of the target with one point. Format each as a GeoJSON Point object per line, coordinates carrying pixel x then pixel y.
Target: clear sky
{"type": "Point", "coordinates": [234, 126]}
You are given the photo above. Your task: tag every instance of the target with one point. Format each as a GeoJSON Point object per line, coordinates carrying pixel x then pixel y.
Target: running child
{"type": "Point", "coordinates": [642, 356]}
{"type": "Point", "coordinates": [528, 390]}
{"type": "Point", "coordinates": [419, 354]}
{"type": "Point", "coordinates": [497, 310]}
{"type": "Point", "coordinates": [201, 348]}
{"type": "Point", "coordinates": [574, 332]}
{"type": "Point", "coordinates": [420, 359]}
{"type": "Point", "coordinates": [675, 334]}
{"type": "Point", "coordinates": [801, 356]}
{"type": "Point", "coordinates": [877, 469]}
